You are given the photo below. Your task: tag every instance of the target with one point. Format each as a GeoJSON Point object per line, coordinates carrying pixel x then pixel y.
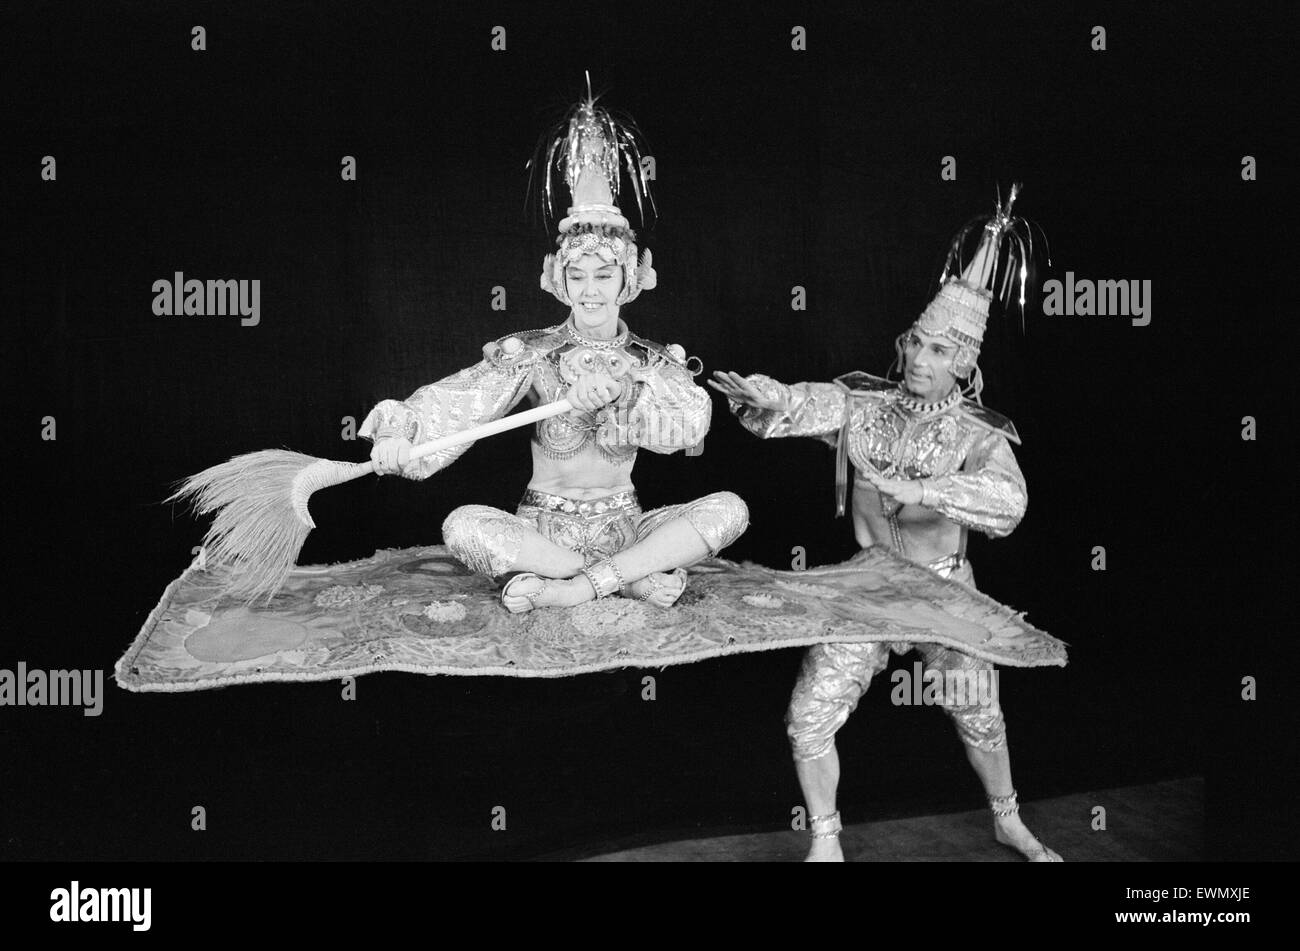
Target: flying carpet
{"type": "Point", "coordinates": [418, 610]}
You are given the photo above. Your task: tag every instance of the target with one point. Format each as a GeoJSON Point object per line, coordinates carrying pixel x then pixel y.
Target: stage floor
{"type": "Point", "coordinates": [1158, 822]}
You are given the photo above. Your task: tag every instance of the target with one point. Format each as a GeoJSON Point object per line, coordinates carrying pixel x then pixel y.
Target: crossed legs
{"type": "Point", "coordinates": [643, 551]}
{"type": "Point", "coordinates": [642, 567]}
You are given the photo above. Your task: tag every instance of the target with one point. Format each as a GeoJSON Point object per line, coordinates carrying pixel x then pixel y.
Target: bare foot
{"type": "Point", "coordinates": [527, 591]}
{"type": "Point", "coordinates": [1012, 832]}
{"type": "Point", "coordinates": [825, 850]}
{"type": "Point", "coordinates": [664, 588]}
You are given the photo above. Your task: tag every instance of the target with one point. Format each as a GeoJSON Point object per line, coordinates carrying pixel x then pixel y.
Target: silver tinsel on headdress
{"type": "Point", "coordinates": [590, 135]}
{"type": "Point", "coordinates": [1005, 233]}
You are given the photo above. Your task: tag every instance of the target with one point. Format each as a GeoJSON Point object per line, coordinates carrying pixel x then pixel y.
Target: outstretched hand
{"type": "Point", "coordinates": [736, 387]}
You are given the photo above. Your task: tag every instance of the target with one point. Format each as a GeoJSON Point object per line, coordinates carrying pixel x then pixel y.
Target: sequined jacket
{"type": "Point", "coordinates": [660, 408]}
{"type": "Point", "coordinates": [962, 453]}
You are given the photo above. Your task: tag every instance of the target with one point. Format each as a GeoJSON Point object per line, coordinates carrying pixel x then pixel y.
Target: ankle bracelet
{"type": "Point", "coordinates": [832, 817]}
{"type": "Point", "coordinates": [1004, 806]}
{"type": "Point", "coordinates": [605, 578]}
{"type": "Point", "coordinates": [654, 588]}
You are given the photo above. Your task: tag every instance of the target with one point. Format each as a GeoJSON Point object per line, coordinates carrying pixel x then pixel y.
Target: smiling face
{"type": "Point", "coordinates": [928, 365]}
{"type": "Point", "coordinates": [593, 286]}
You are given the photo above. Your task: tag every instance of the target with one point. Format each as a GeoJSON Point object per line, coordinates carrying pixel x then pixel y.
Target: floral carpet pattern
{"type": "Point", "coordinates": [419, 610]}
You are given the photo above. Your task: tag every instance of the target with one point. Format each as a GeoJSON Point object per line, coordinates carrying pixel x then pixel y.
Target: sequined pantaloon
{"type": "Point", "coordinates": [487, 540]}
{"type": "Point", "coordinates": [834, 677]}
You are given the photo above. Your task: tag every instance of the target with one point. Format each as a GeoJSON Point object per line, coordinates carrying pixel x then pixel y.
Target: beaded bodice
{"type": "Point", "coordinates": [660, 408]}
{"type": "Point", "coordinates": [560, 355]}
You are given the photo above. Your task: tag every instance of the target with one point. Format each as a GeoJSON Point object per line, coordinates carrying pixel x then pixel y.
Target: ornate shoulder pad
{"type": "Point", "coordinates": [858, 383]}
{"type": "Point", "coordinates": [516, 348]}
{"type": "Point", "coordinates": [989, 419]}
{"type": "Point", "coordinates": [673, 352]}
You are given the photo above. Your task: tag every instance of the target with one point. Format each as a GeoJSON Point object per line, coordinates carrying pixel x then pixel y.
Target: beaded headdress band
{"type": "Point", "coordinates": [590, 147]}
{"type": "Point", "coordinates": [960, 309]}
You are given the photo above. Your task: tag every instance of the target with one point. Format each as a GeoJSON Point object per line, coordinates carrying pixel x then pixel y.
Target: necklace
{"type": "Point", "coordinates": [915, 405]}
{"type": "Point", "coordinates": [611, 344]}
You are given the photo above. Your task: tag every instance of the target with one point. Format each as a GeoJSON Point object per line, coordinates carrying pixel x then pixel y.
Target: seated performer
{"type": "Point", "coordinates": [931, 465]}
{"type": "Point", "coordinates": [579, 532]}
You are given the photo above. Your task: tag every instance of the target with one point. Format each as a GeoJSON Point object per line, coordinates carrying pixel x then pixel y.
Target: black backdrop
{"type": "Point", "coordinates": [775, 168]}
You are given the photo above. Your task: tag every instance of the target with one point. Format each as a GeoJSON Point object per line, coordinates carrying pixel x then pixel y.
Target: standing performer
{"type": "Point", "coordinates": [932, 463]}
{"type": "Point", "coordinates": [579, 532]}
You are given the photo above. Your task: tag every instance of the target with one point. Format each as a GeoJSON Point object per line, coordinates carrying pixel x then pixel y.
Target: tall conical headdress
{"type": "Point", "coordinates": [960, 310]}
{"type": "Point", "coordinates": [591, 147]}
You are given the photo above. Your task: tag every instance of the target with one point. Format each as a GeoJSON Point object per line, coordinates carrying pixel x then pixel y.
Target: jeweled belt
{"type": "Point", "coordinates": [585, 508]}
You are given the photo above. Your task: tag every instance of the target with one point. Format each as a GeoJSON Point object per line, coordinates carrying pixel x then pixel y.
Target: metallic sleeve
{"type": "Point", "coordinates": [988, 495]}
{"type": "Point", "coordinates": [812, 409]}
{"type": "Point", "coordinates": [668, 411]}
{"type": "Point", "coordinates": [476, 395]}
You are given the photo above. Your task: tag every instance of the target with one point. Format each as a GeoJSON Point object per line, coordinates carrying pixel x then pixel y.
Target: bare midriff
{"type": "Point", "coordinates": [927, 535]}
{"type": "Point", "coordinates": [587, 475]}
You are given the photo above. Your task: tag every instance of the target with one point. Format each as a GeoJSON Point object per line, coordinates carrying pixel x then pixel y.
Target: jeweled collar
{"type": "Point", "coordinates": [612, 344]}
{"type": "Point", "coordinates": [910, 403]}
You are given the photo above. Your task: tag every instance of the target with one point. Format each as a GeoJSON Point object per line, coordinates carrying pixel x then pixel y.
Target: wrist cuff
{"type": "Point", "coordinates": [929, 497]}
